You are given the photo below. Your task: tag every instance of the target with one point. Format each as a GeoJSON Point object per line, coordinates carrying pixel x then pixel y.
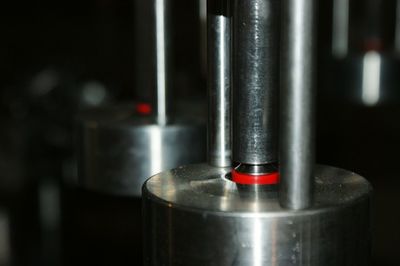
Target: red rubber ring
{"type": "Point", "coordinates": [249, 179]}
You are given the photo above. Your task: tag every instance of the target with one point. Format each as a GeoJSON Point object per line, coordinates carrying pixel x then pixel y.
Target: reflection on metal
{"type": "Point", "coordinates": [257, 234]}
{"type": "Point", "coordinates": [371, 77]}
{"type": "Point", "coordinates": [156, 150]}
{"type": "Point", "coordinates": [161, 62]}
{"type": "Point", "coordinates": [340, 30]}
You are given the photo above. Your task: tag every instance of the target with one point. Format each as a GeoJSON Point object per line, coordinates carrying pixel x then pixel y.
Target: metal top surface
{"type": "Point", "coordinates": [126, 115]}
{"type": "Point", "coordinates": [206, 189]}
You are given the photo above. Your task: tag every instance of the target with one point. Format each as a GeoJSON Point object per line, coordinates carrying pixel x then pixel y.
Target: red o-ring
{"type": "Point", "coordinates": [249, 179]}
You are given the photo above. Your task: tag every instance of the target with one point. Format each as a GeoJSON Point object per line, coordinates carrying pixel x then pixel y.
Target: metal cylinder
{"type": "Point", "coordinates": [297, 104]}
{"type": "Point", "coordinates": [255, 78]}
{"type": "Point", "coordinates": [153, 54]}
{"type": "Point", "coordinates": [219, 83]}
{"type": "Point", "coordinates": [340, 28]}
{"type": "Point", "coordinates": [119, 148]}
{"type": "Point", "coordinates": [194, 215]}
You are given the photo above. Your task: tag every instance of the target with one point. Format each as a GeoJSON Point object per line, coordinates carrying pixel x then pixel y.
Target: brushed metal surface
{"type": "Point", "coordinates": [194, 215]}
{"type": "Point", "coordinates": [119, 150]}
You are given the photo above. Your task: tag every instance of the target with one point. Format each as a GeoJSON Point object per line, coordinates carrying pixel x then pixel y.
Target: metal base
{"type": "Point", "coordinates": [194, 215]}
{"type": "Point", "coordinates": [120, 149]}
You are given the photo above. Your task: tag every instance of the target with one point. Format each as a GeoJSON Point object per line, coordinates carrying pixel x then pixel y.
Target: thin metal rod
{"type": "Point", "coordinates": [219, 82]}
{"type": "Point", "coordinates": [153, 53]}
{"type": "Point", "coordinates": [203, 36]}
{"type": "Point", "coordinates": [340, 29]}
{"type": "Point", "coordinates": [255, 81]}
{"type": "Point", "coordinates": [297, 154]}
{"type": "Point", "coordinates": [161, 58]}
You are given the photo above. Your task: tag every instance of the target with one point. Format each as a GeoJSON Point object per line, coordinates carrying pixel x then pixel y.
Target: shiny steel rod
{"type": "Point", "coordinates": [297, 103]}
{"type": "Point", "coordinates": [219, 82]}
{"type": "Point", "coordinates": [153, 53]}
{"type": "Point", "coordinates": [255, 80]}
{"type": "Point", "coordinates": [161, 15]}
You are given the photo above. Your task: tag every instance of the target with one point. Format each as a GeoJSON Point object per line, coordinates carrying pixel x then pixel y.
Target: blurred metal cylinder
{"type": "Point", "coordinates": [119, 148]}
{"type": "Point", "coordinates": [255, 77]}
{"type": "Point", "coordinates": [194, 215]}
{"type": "Point", "coordinates": [153, 54]}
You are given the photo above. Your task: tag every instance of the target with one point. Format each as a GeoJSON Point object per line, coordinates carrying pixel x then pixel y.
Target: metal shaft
{"type": "Point", "coordinates": [255, 78]}
{"type": "Point", "coordinates": [219, 82]}
{"type": "Point", "coordinates": [340, 29]}
{"type": "Point", "coordinates": [153, 54]}
{"type": "Point", "coordinates": [297, 104]}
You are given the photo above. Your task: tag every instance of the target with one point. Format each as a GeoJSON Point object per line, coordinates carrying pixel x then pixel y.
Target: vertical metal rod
{"type": "Point", "coordinates": [297, 104]}
{"type": "Point", "coordinates": [255, 81]}
{"type": "Point", "coordinates": [219, 82]}
{"type": "Point", "coordinates": [340, 29]}
{"type": "Point", "coordinates": [153, 52]}
{"type": "Point", "coordinates": [203, 36]}
{"type": "Point", "coordinates": [161, 59]}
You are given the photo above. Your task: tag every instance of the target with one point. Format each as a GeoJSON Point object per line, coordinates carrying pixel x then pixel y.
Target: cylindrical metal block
{"type": "Point", "coordinates": [255, 80]}
{"type": "Point", "coordinates": [120, 149]}
{"type": "Point", "coordinates": [194, 215]}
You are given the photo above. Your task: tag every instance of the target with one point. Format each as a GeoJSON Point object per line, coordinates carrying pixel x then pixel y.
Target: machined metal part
{"type": "Point", "coordinates": [194, 215]}
{"type": "Point", "coordinates": [297, 95]}
{"type": "Point", "coordinates": [256, 168]}
{"type": "Point", "coordinates": [219, 83]}
{"type": "Point", "coordinates": [255, 80]}
{"type": "Point", "coordinates": [153, 54]}
{"type": "Point", "coordinates": [119, 149]}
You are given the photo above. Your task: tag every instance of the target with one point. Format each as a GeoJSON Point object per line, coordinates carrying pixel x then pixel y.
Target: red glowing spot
{"type": "Point", "coordinates": [143, 108]}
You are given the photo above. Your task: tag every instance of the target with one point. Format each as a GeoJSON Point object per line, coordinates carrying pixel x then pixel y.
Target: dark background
{"type": "Point", "coordinates": [56, 56]}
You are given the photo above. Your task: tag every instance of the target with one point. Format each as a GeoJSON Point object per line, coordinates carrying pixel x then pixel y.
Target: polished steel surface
{"type": "Point", "coordinates": [255, 80]}
{"type": "Point", "coordinates": [219, 83]}
{"type": "Point", "coordinates": [153, 53]}
{"type": "Point", "coordinates": [119, 149]}
{"type": "Point", "coordinates": [194, 215]}
{"type": "Point", "coordinates": [297, 125]}
{"type": "Point", "coordinates": [161, 16]}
